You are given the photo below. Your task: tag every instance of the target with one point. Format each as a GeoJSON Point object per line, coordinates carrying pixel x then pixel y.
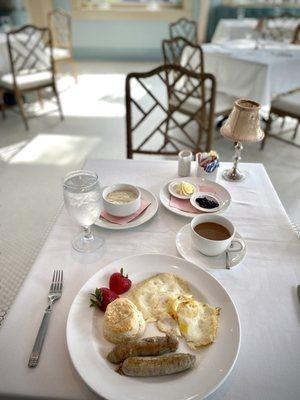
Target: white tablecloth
{"type": "Point", "coordinates": [231, 29]}
{"type": "Point", "coordinates": [262, 287]}
{"type": "Point", "coordinates": [244, 72]}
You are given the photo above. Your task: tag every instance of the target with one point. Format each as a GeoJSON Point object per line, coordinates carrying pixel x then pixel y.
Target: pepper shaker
{"type": "Point", "coordinates": [185, 158]}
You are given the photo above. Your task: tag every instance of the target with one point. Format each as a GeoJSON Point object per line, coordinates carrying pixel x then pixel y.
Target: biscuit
{"type": "Point", "coordinates": [123, 321]}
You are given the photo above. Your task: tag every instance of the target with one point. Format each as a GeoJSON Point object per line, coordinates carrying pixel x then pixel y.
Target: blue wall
{"type": "Point", "coordinates": [119, 40]}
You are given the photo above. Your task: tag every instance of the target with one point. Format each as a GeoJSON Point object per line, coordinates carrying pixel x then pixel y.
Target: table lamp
{"type": "Point", "coordinates": [242, 125]}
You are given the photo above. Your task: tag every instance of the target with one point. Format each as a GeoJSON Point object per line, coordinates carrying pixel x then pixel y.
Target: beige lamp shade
{"type": "Point", "coordinates": [243, 124]}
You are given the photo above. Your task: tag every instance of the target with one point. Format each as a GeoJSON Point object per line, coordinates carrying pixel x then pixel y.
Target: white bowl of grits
{"type": "Point", "coordinates": [121, 200]}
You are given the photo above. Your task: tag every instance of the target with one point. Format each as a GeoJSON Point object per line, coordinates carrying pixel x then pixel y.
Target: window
{"type": "Point", "coordinates": [262, 3]}
{"type": "Point", "coordinates": [146, 4]}
{"type": "Point", "coordinates": [167, 10]}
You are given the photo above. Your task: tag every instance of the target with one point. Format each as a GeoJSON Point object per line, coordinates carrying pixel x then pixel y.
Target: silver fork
{"type": "Point", "coordinates": [53, 295]}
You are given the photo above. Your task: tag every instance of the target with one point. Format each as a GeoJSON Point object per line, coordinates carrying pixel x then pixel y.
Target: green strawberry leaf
{"type": "Point", "coordinates": [96, 299]}
{"type": "Point", "coordinates": [122, 273]}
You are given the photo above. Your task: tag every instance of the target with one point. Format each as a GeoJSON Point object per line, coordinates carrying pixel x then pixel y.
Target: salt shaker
{"type": "Point", "coordinates": [185, 158]}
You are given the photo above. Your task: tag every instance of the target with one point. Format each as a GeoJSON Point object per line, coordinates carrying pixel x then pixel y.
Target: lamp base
{"type": "Point", "coordinates": [233, 175]}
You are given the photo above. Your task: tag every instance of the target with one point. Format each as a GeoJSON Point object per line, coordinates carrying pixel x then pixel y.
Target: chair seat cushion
{"type": "Point", "coordinates": [224, 103]}
{"type": "Point", "coordinates": [26, 80]}
{"type": "Point", "coordinates": [289, 103]}
{"type": "Point", "coordinates": [60, 53]}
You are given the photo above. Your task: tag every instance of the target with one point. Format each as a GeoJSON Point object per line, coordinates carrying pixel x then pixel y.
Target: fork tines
{"type": "Point", "coordinates": [57, 281]}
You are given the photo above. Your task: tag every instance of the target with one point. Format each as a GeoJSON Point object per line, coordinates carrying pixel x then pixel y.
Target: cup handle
{"type": "Point", "coordinates": [241, 243]}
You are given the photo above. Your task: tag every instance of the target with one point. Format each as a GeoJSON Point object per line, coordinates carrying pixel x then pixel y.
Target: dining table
{"type": "Point", "coordinates": [241, 28]}
{"type": "Point", "coordinates": [263, 288]}
{"type": "Point", "coordinates": [259, 70]}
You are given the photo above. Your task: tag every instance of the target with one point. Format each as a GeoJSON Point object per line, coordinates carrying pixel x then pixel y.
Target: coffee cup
{"type": "Point", "coordinates": [225, 232]}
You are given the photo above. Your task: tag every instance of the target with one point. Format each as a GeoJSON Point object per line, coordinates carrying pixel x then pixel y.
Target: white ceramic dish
{"type": "Point", "coordinates": [88, 348]}
{"type": "Point", "coordinates": [221, 192]}
{"type": "Point", "coordinates": [211, 247]}
{"type": "Point", "coordinates": [187, 250]}
{"type": "Point", "coordinates": [124, 209]}
{"type": "Point", "coordinates": [172, 190]}
{"type": "Point", "coordinates": [209, 196]}
{"type": "Point", "coordinates": [141, 219]}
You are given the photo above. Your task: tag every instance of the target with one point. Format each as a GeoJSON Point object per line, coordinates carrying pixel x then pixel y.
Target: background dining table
{"type": "Point", "coordinates": [244, 71]}
{"type": "Point", "coordinates": [263, 288]}
{"type": "Point", "coordinates": [232, 29]}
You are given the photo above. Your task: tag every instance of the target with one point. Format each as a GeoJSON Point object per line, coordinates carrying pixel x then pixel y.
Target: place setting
{"type": "Point", "coordinates": [211, 242]}
{"type": "Point", "coordinates": [191, 195]}
{"type": "Point", "coordinates": [141, 330]}
{"type": "Point", "coordinates": [126, 206]}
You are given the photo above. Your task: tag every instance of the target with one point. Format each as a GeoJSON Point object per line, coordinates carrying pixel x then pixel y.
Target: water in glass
{"type": "Point", "coordinates": [82, 197]}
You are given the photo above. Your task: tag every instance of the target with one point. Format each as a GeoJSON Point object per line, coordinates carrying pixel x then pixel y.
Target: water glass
{"type": "Point", "coordinates": [82, 198]}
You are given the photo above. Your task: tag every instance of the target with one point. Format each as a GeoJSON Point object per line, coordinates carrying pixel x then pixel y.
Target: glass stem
{"type": "Point", "coordinates": [87, 233]}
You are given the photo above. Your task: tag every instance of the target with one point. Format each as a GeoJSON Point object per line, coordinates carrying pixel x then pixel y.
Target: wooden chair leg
{"type": "Point", "coordinates": [74, 70]}
{"type": "Point", "coordinates": [40, 97]}
{"type": "Point", "coordinates": [166, 131]}
{"type": "Point", "coordinates": [20, 103]}
{"type": "Point", "coordinates": [267, 131]}
{"type": "Point", "coordinates": [55, 68]}
{"type": "Point", "coordinates": [296, 130]}
{"type": "Point", "coordinates": [58, 102]}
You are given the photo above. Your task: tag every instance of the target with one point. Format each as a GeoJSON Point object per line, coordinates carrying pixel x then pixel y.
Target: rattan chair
{"type": "Point", "coordinates": [296, 38]}
{"type": "Point", "coordinates": [185, 28]}
{"type": "Point", "coordinates": [284, 106]}
{"type": "Point", "coordinates": [153, 127]}
{"type": "Point", "coordinates": [179, 51]}
{"type": "Point", "coordinates": [31, 65]}
{"type": "Point", "coordinates": [59, 23]}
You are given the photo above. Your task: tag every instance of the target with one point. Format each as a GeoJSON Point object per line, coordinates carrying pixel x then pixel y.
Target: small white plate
{"type": "Point", "coordinates": [210, 197]}
{"type": "Point", "coordinates": [172, 190]}
{"type": "Point", "coordinates": [221, 192]}
{"type": "Point", "coordinates": [141, 219]}
{"type": "Point", "coordinates": [187, 250]}
{"type": "Point", "coordinates": [88, 348]}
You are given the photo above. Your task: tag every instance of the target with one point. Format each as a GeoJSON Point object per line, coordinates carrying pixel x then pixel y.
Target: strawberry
{"type": "Point", "coordinates": [102, 297]}
{"type": "Point", "coordinates": [119, 282]}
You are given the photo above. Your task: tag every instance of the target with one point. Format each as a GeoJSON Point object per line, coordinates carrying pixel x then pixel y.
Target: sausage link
{"type": "Point", "coordinates": [152, 346]}
{"type": "Point", "coordinates": [157, 366]}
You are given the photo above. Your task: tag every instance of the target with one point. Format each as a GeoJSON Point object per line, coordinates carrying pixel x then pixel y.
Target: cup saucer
{"type": "Point", "coordinates": [187, 250]}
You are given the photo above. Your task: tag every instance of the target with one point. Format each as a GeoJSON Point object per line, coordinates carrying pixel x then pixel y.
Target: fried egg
{"type": "Point", "coordinates": [166, 300]}
{"type": "Point", "coordinates": [198, 322]}
{"type": "Point", "coordinates": [154, 296]}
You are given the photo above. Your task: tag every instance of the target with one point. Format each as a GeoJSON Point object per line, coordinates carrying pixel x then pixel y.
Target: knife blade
{"type": "Point", "coordinates": [298, 292]}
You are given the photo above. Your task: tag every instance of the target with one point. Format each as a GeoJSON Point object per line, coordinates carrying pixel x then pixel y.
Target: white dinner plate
{"type": "Point", "coordinates": [141, 219]}
{"type": "Point", "coordinates": [88, 348]}
{"type": "Point", "coordinates": [187, 250]}
{"type": "Point", "coordinates": [221, 193]}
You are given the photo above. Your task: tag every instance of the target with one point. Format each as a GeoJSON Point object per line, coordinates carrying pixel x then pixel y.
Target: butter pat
{"type": "Point", "coordinates": [185, 189]}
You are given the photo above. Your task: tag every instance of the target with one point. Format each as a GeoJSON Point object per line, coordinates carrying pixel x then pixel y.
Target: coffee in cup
{"type": "Point", "coordinates": [213, 234]}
